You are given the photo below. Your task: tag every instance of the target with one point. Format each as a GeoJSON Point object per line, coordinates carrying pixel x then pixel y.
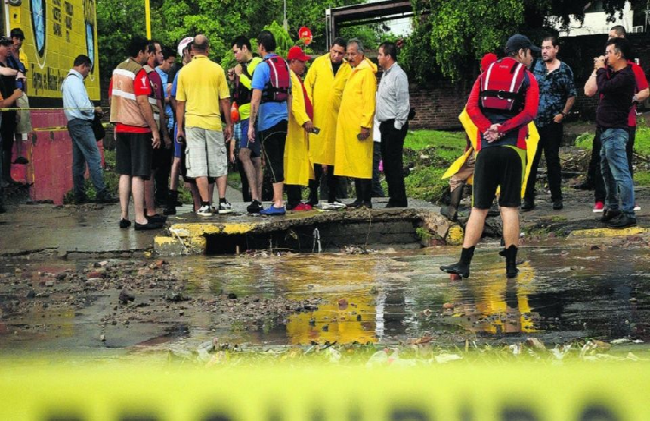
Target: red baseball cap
{"type": "Point", "coordinates": [487, 59]}
{"type": "Point", "coordinates": [296, 53]}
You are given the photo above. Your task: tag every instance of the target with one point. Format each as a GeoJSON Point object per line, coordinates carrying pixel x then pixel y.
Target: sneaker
{"type": "Point", "coordinates": [254, 207]}
{"type": "Point", "coordinates": [637, 207]}
{"type": "Point", "coordinates": [610, 214]}
{"type": "Point", "coordinates": [125, 223]}
{"type": "Point", "coordinates": [622, 221]}
{"type": "Point", "coordinates": [224, 207]}
{"type": "Point", "coordinates": [302, 207]}
{"type": "Point", "coordinates": [273, 211]}
{"type": "Point", "coordinates": [558, 205]}
{"type": "Point", "coordinates": [336, 204]}
{"type": "Point", "coordinates": [599, 207]}
{"type": "Point", "coordinates": [204, 211]}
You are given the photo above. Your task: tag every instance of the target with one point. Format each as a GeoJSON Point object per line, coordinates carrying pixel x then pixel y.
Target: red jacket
{"type": "Point", "coordinates": [518, 122]}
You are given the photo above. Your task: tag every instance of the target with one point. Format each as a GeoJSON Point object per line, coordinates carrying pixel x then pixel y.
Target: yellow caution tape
{"type": "Point", "coordinates": [499, 391]}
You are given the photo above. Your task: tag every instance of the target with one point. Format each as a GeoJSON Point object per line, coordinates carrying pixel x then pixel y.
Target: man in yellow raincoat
{"type": "Point", "coordinates": [325, 73]}
{"type": "Point", "coordinates": [353, 148]}
{"type": "Point", "coordinates": [298, 169]}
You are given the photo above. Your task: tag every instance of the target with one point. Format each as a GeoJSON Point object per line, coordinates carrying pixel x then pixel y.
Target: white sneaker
{"type": "Point", "coordinates": [224, 207]}
{"type": "Point", "coordinates": [204, 211]}
{"type": "Point", "coordinates": [637, 207]}
{"type": "Point", "coordinates": [333, 205]}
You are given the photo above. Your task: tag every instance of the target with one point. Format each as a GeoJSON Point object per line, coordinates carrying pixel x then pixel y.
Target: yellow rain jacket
{"type": "Point", "coordinates": [298, 168]}
{"type": "Point", "coordinates": [472, 133]}
{"type": "Point", "coordinates": [320, 82]}
{"type": "Point", "coordinates": [353, 157]}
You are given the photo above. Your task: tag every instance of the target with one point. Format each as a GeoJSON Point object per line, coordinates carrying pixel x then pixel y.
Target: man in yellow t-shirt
{"type": "Point", "coordinates": [202, 94]}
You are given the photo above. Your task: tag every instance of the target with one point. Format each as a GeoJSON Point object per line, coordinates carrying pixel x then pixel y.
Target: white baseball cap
{"type": "Point", "coordinates": [183, 44]}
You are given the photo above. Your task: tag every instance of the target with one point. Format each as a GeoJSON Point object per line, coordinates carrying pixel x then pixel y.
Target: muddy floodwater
{"type": "Point", "coordinates": [107, 307]}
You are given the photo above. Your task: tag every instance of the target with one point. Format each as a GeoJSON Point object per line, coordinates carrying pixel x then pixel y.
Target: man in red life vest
{"type": "Point", "coordinates": [503, 101]}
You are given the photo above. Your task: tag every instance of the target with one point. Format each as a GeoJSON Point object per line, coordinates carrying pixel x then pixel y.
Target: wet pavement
{"type": "Point", "coordinates": [267, 300]}
{"type": "Point", "coordinates": [114, 298]}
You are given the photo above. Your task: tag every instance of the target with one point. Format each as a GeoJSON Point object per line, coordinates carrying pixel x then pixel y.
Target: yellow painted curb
{"type": "Point", "coordinates": [608, 232]}
{"type": "Point", "coordinates": [199, 229]}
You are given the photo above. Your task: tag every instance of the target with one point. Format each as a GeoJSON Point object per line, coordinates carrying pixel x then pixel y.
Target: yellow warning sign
{"type": "Point", "coordinates": [56, 32]}
{"type": "Point", "coordinates": [521, 392]}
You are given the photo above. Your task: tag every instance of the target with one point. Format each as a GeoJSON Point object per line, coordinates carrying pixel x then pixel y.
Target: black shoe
{"type": "Point", "coordinates": [462, 267]}
{"type": "Point", "coordinates": [254, 207]}
{"type": "Point", "coordinates": [106, 198]}
{"type": "Point", "coordinates": [157, 218]}
{"type": "Point", "coordinates": [80, 200]}
{"type": "Point", "coordinates": [457, 269]}
{"type": "Point", "coordinates": [610, 214]}
{"type": "Point", "coordinates": [125, 223]}
{"type": "Point", "coordinates": [583, 186]}
{"type": "Point", "coordinates": [511, 261]}
{"type": "Point", "coordinates": [367, 205]}
{"type": "Point", "coordinates": [355, 204]}
{"type": "Point", "coordinates": [622, 221]}
{"type": "Point", "coordinates": [528, 205]}
{"type": "Point", "coordinates": [148, 226]}
{"type": "Point", "coordinates": [172, 200]}
{"type": "Point", "coordinates": [557, 205]}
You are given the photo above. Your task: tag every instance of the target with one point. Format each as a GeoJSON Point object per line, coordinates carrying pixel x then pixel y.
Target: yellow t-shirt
{"type": "Point", "coordinates": [245, 109]}
{"type": "Point", "coordinates": [201, 85]}
{"type": "Point", "coordinates": [23, 59]}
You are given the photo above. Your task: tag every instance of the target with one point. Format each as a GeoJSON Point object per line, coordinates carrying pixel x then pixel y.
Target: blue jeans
{"type": "Point", "coordinates": [616, 172]}
{"type": "Point", "coordinates": [84, 150]}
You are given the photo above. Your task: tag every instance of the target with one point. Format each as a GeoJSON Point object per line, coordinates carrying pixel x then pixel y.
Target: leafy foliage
{"type": "Point", "coordinates": [220, 20]}
{"type": "Point", "coordinates": [450, 36]}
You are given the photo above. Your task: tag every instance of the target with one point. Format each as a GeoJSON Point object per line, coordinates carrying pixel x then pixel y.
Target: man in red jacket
{"type": "Point", "coordinates": [503, 101]}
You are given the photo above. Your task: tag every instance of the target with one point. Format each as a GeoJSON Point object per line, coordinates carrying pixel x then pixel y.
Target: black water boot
{"type": "Point", "coordinates": [170, 207]}
{"type": "Point", "coordinates": [511, 261]}
{"type": "Point", "coordinates": [462, 267]}
{"type": "Point", "coordinates": [451, 212]}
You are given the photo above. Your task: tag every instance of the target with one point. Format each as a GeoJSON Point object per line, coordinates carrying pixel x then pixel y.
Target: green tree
{"type": "Point", "coordinates": [449, 36]}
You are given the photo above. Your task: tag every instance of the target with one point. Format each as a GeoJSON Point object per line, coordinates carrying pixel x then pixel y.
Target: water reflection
{"type": "Point", "coordinates": [375, 298]}
{"type": "Point", "coordinates": [390, 297]}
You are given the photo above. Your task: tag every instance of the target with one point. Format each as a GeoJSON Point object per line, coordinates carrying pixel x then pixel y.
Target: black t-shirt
{"type": "Point", "coordinates": [7, 87]}
{"type": "Point", "coordinates": [336, 67]}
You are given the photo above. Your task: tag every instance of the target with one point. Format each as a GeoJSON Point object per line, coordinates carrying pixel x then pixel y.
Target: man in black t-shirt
{"type": "Point", "coordinates": [8, 126]}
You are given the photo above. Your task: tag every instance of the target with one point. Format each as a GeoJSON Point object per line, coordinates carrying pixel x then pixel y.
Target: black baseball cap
{"type": "Point", "coordinates": [517, 42]}
{"type": "Point", "coordinates": [6, 41]}
{"type": "Point", "coordinates": [17, 33]}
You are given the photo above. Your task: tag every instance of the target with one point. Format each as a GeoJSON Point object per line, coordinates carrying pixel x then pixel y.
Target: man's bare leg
{"type": "Point", "coordinates": [252, 172]}
{"type": "Point", "coordinates": [137, 189]}
{"type": "Point", "coordinates": [125, 194]}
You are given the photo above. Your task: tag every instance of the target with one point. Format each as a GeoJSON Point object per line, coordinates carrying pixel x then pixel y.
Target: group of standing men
{"type": "Point", "coordinates": [302, 130]}
{"type": "Point", "coordinates": [506, 97]}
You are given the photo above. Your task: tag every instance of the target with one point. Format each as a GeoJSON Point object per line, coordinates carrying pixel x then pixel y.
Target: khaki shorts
{"type": "Point", "coordinates": [206, 153]}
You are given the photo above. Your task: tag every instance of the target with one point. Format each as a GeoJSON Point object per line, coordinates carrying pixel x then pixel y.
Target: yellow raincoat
{"type": "Point", "coordinates": [320, 83]}
{"type": "Point", "coordinates": [472, 133]}
{"type": "Point", "coordinates": [353, 157]}
{"type": "Point", "coordinates": [298, 168]}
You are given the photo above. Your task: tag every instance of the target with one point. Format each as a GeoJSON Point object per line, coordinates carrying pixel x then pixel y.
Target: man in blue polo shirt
{"type": "Point", "coordinates": [269, 102]}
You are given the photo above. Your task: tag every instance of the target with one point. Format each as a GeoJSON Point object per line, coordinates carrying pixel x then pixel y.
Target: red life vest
{"type": "Point", "coordinates": [501, 87]}
{"type": "Point", "coordinates": [277, 89]}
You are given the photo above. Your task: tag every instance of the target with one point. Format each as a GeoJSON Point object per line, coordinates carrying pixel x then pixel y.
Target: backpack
{"type": "Point", "coordinates": [501, 87]}
{"type": "Point", "coordinates": [278, 88]}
